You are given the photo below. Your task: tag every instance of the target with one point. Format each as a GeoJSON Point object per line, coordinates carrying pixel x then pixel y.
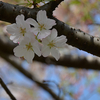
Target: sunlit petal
{"type": "Point", "coordinates": [32, 22]}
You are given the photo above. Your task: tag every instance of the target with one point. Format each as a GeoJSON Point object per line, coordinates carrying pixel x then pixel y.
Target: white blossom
{"type": "Point", "coordinates": [19, 30]}
{"type": "Point", "coordinates": [51, 44]}
{"type": "Point", "coordinates": [43, 25]}
{"type": "Point", "coordinates": [27, 48]}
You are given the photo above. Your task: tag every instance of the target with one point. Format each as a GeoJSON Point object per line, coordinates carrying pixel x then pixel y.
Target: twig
{"type": "Point", "coordinates": [28, 74]}
{"type": "Point", "coordinates": [7, 90]}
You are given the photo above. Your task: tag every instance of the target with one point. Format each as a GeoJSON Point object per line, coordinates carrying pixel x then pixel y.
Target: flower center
{"type": "Point", "coordinates": [29, 46]}
{"type": "Point", "coordinates": [41, 26]}
{"type": "Point", "coordinates": [22, 30]}
{"type": "Point", "coordinates": [51, 44]}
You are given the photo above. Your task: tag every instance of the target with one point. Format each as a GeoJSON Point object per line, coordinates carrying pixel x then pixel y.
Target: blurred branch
{"type": "Point", "coordinates": [75, 61]}
{"type": "Point", "coordinates": [7, 90]}
{"type": "Point", "coordinates": [28, 74]}
{"type": "Point", "coordinates": [76, 37]}
{"type": "Point", "coordinates": [69, 60]}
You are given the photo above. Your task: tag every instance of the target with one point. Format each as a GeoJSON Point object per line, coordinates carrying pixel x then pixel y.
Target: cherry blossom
{"type": "Point", "coordinates": [39, 39]}
{"type": "Point", "coordinates": [43, 25]}
{"type": "Point", "coordinates": [19, 30]}
{"type": "Point", "coordinates": [52, 43]}
{"type": "Point", "coordinates": [27, 48]}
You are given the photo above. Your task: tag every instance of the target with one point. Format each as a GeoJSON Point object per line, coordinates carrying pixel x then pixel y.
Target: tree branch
{"type": "Point", "coordinates": [7, 90]}
{"type": "Point", "coordinates": [72, 61]}
{"type": "Point", "coordinates": [69, 60]}
{"type": "Point", "coordinates": [76, 37]}
{"type": "Point", "coordinates": [28, 75]}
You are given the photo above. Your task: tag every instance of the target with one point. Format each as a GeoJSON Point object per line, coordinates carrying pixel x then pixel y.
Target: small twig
{"type": "Point", "coordinates": [7, 90]}
{"type": "Point", "coordinates": [47, 82]}
{"type": "Point", "coordinates": [28, 74]}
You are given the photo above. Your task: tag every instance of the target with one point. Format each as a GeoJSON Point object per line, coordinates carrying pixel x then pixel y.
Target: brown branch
{"type": "Point", "coordinates": [7, 90]}
{"type": "Point", "coordinates": [28, 75]}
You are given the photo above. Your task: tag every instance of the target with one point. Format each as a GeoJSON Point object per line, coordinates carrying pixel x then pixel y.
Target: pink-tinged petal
{"type": "Point", "coordinates": [29, 56]}
{"type": "Point", "coordinates": [49, 23]}
{"type": "Point", "coordinates": [36, 49]}
{"type": "Point", "coordinates": [45, 51]}
{"type": "Point", "coordinates": [32, 22]}
{"type": "Point", "coordinates": [41, 16]}
{"type": "Point", "coordinates": [12, 28]}
{"type": "Point", "coordinates": [19, 51]}
{"type": "Point", "coordinates": [44, 34]}
{"type": "Point", "coordinates": [55, 53]}
{"type": "Point", "coordinates": [20, 20]}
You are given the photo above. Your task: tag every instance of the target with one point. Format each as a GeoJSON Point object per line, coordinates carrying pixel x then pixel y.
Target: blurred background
{"type": "Point", "coordinates": [68, 82]}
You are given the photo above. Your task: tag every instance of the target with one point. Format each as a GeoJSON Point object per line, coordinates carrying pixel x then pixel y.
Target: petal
{"type": "Point", "coordinates": [11, 28]}
{"type": "Point", "coordinates": [19, 51]}
{"type": "Point", "coordinates": [32, 22]}
{"type": "Point", "coordinates": [29, 56]}
{"type": "Point", "coordinates": [15, 38]}
{"type": "Point", "coordinates": [41, 16]}
{"type": "Point", "coordinates": [45, 41]}
{"type": "Point", "coordinates": [45, 51]}
{"type": "Point", "coordinates": [36, 48]}
{"type": "Point", "coordinates": [53, 34]}
{"type": "Point", "coordinates": [35, 30]}
{"type": "Point", "coordinates": [25, 41]}
{"type": "Point", "coordinates": [26, 26]}
{"type": "Point", "coordinates": [20, 20]}
{"type": "Point", "coordinates": [60, 41]}
{"type": "Point", "coordinates": [55, 53]}
{"type": "Point", "coordinates": [44, 34]}
{"type": "Point", "coordinates": [49, 23]}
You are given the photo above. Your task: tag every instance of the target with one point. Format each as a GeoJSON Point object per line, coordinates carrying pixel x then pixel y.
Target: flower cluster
{"type": "Point", "coordinates": [39, 39]}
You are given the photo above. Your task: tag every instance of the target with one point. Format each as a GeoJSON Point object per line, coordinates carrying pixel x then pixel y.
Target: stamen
{"type": "Point", "coordinates": [22, 30]}
{"type": "Point", "coordinates": [51, 44]}
{"type": "Point", "coordinates": [41, 26]}
{"type": "Point", "coordinates": [29, 46]}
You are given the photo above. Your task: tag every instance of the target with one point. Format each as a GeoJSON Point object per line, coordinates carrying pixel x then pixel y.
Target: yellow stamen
{"type": "Point", "coordinates": [22, 30]}
{"type": "Point", "coordinates": [29, 46]}
{"type": "Point", "coordinates": [41, 26]}
{"type": "Point", "coordinates": [51, 44]}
